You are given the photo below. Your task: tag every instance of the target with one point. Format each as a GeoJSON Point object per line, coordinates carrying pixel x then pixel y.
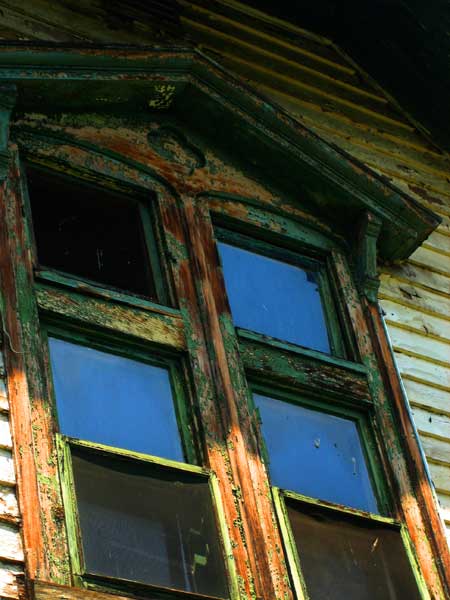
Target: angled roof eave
{"type": "Point", "coordinates": [256, 131]}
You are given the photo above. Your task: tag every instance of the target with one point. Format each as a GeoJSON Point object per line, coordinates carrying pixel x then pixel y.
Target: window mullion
{"type": "Point", "coordinates": [232, 451]}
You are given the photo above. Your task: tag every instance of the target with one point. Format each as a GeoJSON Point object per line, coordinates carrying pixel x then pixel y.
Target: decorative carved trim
{"type": "Point", "coordinates": [8, 95]}
{"type": "Point", "coordinates": [365, 254]}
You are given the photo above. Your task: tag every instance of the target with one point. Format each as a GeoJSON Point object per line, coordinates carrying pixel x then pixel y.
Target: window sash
{"type": "Point", "coordinates": [80, 573]}
{"type": "Point", "coordinates": [290, 546]}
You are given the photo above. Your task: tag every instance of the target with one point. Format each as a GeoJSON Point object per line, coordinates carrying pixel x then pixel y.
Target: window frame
{"type": "Point", "coordinates": [282, 253]}
{"type": "Point", "coordinates": [80, 573]}
{"type": "Point", "coordinates": [47, 304]}
{"type": "Point", "coordinates": [148, 219]}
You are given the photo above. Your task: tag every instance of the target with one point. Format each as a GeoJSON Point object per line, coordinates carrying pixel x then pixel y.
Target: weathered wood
{"type": "Point", "coordinates": [11, 577]}
{"type": "Point", "coordinates": [7, 473]}
{"type": "Point", "coordinates": [405, 467]}
{"type": "Point", "coordinates": [8, 502]}
{"type": "Point", "coordinates": [417, 321]}
{"type": "Point", "coordinates": [410, 342]}
{"type": "Point", "coordinates": [10, 543]}
{"type": "Point", "coordinates": [419, 299]}
{"type": "Point", "coordinates": [265, 364]}
{"type": "Point", "coordinates": [424, 257]}
{"type": "Point", "coordinates": [437, 451]}
{"type": "Point", "coordinates": [4, 404]}
{"type": "Point", "coordinates": [165, 329]}
{"type": "Point", "coordinates": [50, 591]}
{"type": "Point", "coordinates": [427, 397]}
{"type": "Point", "coordinates": [43, 533]}
{"type": "Point", "coordinates": [440, 475]}
{"type": "Point", "coordinates": [418, 276]}
{"type": "Point", "coordinates": [241, 479]}
{"type": "Point", "coordinates": [432, 424]}
{"type": "Point", "coordinates": [423, 371]}
{"type": "Point", "coordinates": [5, 432]}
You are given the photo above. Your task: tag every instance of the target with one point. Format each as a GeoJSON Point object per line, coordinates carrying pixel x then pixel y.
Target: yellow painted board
{"type": "Point", "coordinates": [430, 424]}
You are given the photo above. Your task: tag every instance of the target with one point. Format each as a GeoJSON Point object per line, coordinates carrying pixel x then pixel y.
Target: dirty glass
{"type": "Point", "coordinates": [315, 453]}
{"type": "Point", "coordinates": [343, 558]}
{"type": "Point", "coordinates": [89, 232]}
{"type": "Point", "coordinates": [274, 298]}
{"type": "Point", "coordinates": [112, 400]}
{"type": "Point", "coordinates": [148, 524]}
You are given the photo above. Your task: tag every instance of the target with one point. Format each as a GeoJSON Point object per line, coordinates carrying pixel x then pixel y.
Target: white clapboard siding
{"type": "Point", "coordinates": [410, 318]}
{"type": "Point", "coordinates": [408, 294]}
{"type": "Point", "coordinates": [422, 395]}
{"type": "Point", "coordinates": [423, 370]}
{"type": "Point", "coordinates": [8, 580]}
{"type": "Point", "coordinates": [10, 542]}
{"type": "Point", "coordinates": [433, 260]}
{"type": "Point", "coordinates": [8, 502]}
{"type": "Point", "coordinates": [432, 424]}
{"type": "Point", "coordinates": [7, 473]}
{"type": "Point", "coordinates": [420, 345]}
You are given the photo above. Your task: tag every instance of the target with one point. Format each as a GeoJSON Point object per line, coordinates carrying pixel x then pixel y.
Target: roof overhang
{"type": "Point", "coordinates": [240, 123]}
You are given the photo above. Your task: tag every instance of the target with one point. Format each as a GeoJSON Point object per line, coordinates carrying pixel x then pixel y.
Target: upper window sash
{"type": "Point", "coordinates": [279, 294]}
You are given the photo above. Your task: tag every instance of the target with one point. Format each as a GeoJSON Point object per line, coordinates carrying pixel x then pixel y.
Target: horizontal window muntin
{"type": "Point", "coordinates": [108, 343]}
{"type": "Point", "coordinates": [154, 326]}
{"type": "Point", "coordinates": [312, 585]}
{"type": "Point", "coordinates": [320, 402]}
{"type": "Point", "coordinates": [293, 264]}
{"type": "Point", "coordinates": [91, 288]}
{"type": "Point", "coordinates": [161, 469]}
{"type": "Point", "coordinates": [148, 282]}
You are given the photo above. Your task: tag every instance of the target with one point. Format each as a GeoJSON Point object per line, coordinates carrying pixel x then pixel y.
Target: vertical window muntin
{"type": "Point", "coordinates": [309, 258]}
{"type": "Point", "coordinates": [146, 205]}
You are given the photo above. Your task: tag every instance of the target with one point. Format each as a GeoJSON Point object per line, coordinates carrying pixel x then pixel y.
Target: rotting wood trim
{"type": "Point", "coordinates": [162, 329]}
{"type": "Point", "coordinates": [23, 383]}
{"type": "Point", "coordinates": [260, 535]}
{"type": "Point", "coordinates": [365, 253]}
{"type": "Point", "coordinates": [402, 480]}
{"type": "Point", "coordinates": [42, 590]}
{"type": "Point", "coordinates": [303, 372]}
{"type": "Point", "coordinates": [422, 486]}
{"type": "Point", "coordinates": [215, 99]}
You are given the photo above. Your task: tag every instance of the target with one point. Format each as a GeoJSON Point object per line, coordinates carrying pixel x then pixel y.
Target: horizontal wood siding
{"type": "Point", "coordinates": [11, 552]}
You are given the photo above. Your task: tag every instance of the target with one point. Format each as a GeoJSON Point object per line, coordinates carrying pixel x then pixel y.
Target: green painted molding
{"type": "Point", "coordinates": [365, 256]}
{"type": "Point", "coordinates": [8, 96]}
{"type": "Point", "coordinates": [219, 109]}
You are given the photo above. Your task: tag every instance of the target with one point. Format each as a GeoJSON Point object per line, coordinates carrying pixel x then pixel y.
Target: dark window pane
{"type": "Point", "coordinates": [105, 398]}
{"type": "Point", "coordinates": [345, 558]}
{"type": "Point", "coordinates": [315, 453]}
{"type": "Point", "coordinates": [147, 524]}
{"type": "Point", "coordinates": [274, 298]}
{"type": "Point", "coordinates": [89, 232]}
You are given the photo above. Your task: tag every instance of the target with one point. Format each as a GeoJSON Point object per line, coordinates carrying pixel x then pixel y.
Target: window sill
{"type": "Point", "coordinates": [43, 590]}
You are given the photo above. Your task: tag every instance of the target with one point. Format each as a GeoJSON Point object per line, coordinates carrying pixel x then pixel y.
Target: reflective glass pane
{"type": "Point", "coordinates": [147, 524]}
{"type": "Point", "coordinates": [345, 558]}
{"type": "Point", "coordinates": [274, 298]}
{"type": "Point", "coordinates": [105, 398]}
{"type": "Point", "coordinates": [89, 232]}
{"type": "Point", "coordinates": [315, 454]}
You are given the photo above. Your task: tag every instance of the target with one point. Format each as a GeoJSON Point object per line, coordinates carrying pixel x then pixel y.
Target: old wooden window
{"type": "Point", "coordinates": [94, 234]}
{"type": "Point", "coordinates": [139, 509]}
{"type": "Point", "coordinates": [319, 446]}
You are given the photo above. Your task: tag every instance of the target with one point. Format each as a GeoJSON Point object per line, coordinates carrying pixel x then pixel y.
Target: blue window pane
{"type": "Point", "coordinates": [111, 400]}
{"type": "Point", "coordinates": [315, 454]}
{"type": "Point", "coordinates": [274, 298]}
